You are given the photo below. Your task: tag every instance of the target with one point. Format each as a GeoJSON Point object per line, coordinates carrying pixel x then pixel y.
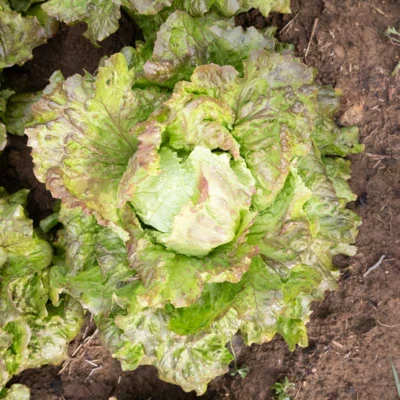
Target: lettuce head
{"type": "Point", "coordinates": [204, 192]}
{"type": "Point", "coordinates": [102, 16]}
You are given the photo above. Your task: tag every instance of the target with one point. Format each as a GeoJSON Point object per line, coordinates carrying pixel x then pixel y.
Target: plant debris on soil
{"type": "Point", "coordinates": [355, 329]}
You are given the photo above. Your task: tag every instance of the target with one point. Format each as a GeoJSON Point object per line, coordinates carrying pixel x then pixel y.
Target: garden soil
{"type": "Point", "coordinates": [355, 330]}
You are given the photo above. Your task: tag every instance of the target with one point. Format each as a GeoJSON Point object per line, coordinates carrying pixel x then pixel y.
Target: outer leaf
{"type": "Point", "coordinates": [332, 140]}
{"type": "Point", "coordinates": [142, 336]}
{"type": "Point", "coordinates": [197, 8]}
{"type": "Point", "coordinates": [19, 112]}
{"type": "Point", "coordinates": [95, 265]}
{"type": "Point", "coordinates": [19, 36]}
{"type": "Point", "coordinates": [184, 42]}
{"type": "Point", "coordinates": [146, 7]}
{"type": "Point", "coordinates": [338, 171]}
{"type": "Point", "coordinates": [32, 332]}
{"type": "Point", "coordinates": [3, 136]}
{"type": "Point", "coordinates": [82, 135]}
{"type": "Point", "coordinates": [48, 22]}
{"type": "Point", "coordinates": [97, 273]}
{"type": "Point", "coordinates": [22, 5]}
{"type": "Point", "coordinates": [101, 16]}
{"type": "Point", "coordinates": [4, 96]}
{"type": "Point", "coordinates": [16, 392]}
{"type": "Point", "coordinates": [232, 7]}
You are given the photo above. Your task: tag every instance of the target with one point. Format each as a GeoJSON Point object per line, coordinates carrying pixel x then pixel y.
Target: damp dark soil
{"type": "Point", "coordinates": [356, 328]}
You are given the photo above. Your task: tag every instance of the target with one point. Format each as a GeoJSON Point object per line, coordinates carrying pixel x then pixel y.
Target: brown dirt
{"type": "Point", "coordinates": [355, 329]}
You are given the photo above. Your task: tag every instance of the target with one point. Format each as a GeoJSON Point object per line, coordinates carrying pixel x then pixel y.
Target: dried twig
{"type": "Point", "coordinates": [385, 325]}
{"type": "Point", "coordinates": [372, 155]}
{"type": "Point", "coordinates": [379, 10]}
{"type": "Point", "coordinates": [314, 28]}
{"type": "Point", "coordinates": [90, 363]}
{"type": "Point", "coordinates": [375, 266]}
{"type": "Point", "coordinates": [79, 350]}
{"type": "Point", "coordinates": [92, 372]}
{"type": "Point", "coordinates": [287, 26]}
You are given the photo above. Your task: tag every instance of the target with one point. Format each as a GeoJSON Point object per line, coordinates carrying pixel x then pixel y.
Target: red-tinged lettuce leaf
{"type": "Point", "coordinates": [184, 42]}
{"type": "Point", "coordinates": [232, 7]}
{"type": "Point", "coordinates": [33, 332]}
{"type": "Point", "coordinates": [19, 36]}
{"type": "Point", "coordinates": [101, 16]}
{"type": "Point", "coordinates": [19, 112]}
{"type": "Point", "coordinates": [225, 205]}
{"type": "Point", "coordinates": [82, 134]}
{"type": "Point", "coordinates": [186, 344]}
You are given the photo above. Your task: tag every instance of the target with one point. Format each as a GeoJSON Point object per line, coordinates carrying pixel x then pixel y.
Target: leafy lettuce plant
{"type": "Point", "coordinates": [204, 191]}
{"type": "Point", "coordinates": [33, 331]}
{"type": "Point", "coordinates": [20, 34]}
{"type": "Point", "coordinates": [102, 16]}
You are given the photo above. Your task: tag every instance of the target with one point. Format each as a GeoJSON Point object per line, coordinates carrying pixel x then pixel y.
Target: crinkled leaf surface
{"type": "Point", "coordinates": [4, 96]}
{"type": "Point", "coordinates": [146, 7]}
{"type": "Point", "coordinates": [32, 332]}
{"type": "Point", "coordinates": [97, 272]}
{"type": "Point", "coordinates": [232, 7]}
{"type": "Point", "coordinates": [101, 16]}
{"type": "Point", "coordinates": [22, 5]}
{"type": "Point", "coordinates": [19, 113]}
{"type": "Point", "coordinates": [15, 392]}
{"type": "Point", "coordinates": [49, 23]}
{"type": "Point", "coordinates": [184, 42]}
{"type": "Point", "coordinates": [3, 136]}
{"type": "Point", "coordinates": [19, 36]}
{"type": "Point", "coordinates": [82, 134]}
{"type": "Point", "coordinates": [230, 196]}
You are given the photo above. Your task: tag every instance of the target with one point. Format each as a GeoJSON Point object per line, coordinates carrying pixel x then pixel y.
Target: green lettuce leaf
{"type": "Point", "coordinates": [101, 16]}
{"type": "Point", "coordinates": [19, 36]}
{"type": "Point", "coordinates": [82, 135]}
{"type": "Point", "coordinates": [184, 42]}
{"type": "Point", "coordinates": [97, 272]}
{"type": "Point", "coordinates": [32, 332]}
{"type": "Point", "coordinates": [3, 136]}
{"type": "Point", "coordinates": [146, 7]}
{"type": "Point", "coordinates": [15, 392]}
{"type": "Point", "coordinates": [187, 344]}
{"type": "Point", "coordinates": [229, 8]}
{"type": "Point", "coordinates": [339, 172]}
{"type": "Point", "coordinates": [22, 5]}
{"type": "Point", "coordinates": [49, 23]}
{"type": "Point", "coordinates": [19, 112]}
{"type": "Point", "coordinates": [139, 336]}
{"type": "Point", "coordinates": [196, 205]}
{"type": "Point", "coordinates": [193, 213]}
{"type": "Point", "coordinates": [93, 263]}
